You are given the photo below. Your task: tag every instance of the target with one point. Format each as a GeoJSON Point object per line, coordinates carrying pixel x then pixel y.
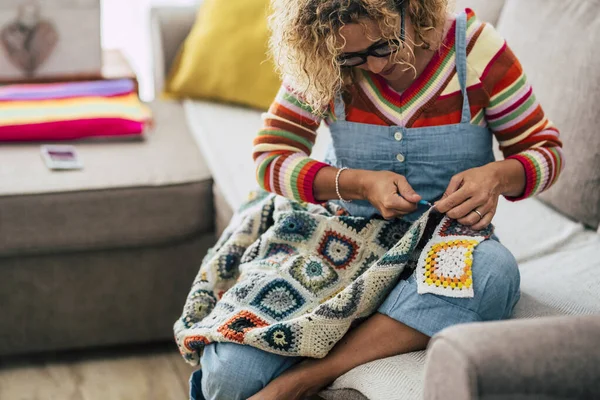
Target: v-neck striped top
{"type": "Point", "coordinates": [501, 99]}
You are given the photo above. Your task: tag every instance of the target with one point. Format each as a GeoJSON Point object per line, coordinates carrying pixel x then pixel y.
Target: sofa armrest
{"type": "Point", "coordinates": [169, 27]}
{"type": "Point", "coordinates": [549, 358]}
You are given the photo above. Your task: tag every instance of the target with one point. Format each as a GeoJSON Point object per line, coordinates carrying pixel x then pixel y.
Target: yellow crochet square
{"type": "Point", "coordinates": [448, 264]}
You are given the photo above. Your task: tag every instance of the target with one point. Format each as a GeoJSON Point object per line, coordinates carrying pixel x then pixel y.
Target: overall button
{"type": "Point", "coordinates": [398, 136]}
{"type": "Point", "coordinates": [400, 157]}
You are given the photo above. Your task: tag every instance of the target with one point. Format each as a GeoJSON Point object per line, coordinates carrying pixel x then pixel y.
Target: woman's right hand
{"type": "Point", "coordinates": [389, 192]}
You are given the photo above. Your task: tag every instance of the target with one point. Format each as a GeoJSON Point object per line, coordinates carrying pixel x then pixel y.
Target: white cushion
{"type": "Point", "coordinates": [398, 377]}
{"type": "Point", "coordinates": [566, 282]}
{"type": "Point", "coordinates": [530, 229]}
{"type": "Point", "coordinates": [224, 134]}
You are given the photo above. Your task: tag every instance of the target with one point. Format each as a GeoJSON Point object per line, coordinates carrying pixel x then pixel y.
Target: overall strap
{"type": "Point", "coordinates": [461, 64]}
{"type": "Point", "coordinates": [339, 107]}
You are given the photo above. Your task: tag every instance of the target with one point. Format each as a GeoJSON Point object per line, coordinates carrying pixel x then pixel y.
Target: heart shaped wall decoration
{"type": "Point", "coordinates": [28, 40]}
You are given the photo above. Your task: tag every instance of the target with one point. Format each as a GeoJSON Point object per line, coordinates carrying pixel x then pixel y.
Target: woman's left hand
{"type": "Point", "coordinates": [472, 196]}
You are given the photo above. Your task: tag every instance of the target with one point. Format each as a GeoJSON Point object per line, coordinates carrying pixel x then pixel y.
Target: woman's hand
{"type": "Point", "coordinates": [472, 196]}
{"type": "Point", "coordinates": [389, 192]}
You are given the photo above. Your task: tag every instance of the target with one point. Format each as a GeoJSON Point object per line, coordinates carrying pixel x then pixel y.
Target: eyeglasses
{"type": "Point", "coordinates": [379, 50]}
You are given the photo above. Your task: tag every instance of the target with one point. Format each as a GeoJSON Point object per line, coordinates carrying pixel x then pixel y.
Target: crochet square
{"type": "Point", "coordinates": [391, 233]}
{"type": "Point", "coordinates": [241, 290]}
{"type": "Point", "coordinates": [278, 299]}
{"type": "Point", "coordinates": [401, 252]}
{"type": "Point", "coordinates": [343, 304]}
{"type": "Point", "coordinates": [295, 227]}
{"type": "Point", "coordinates": [281, 337]}
{"type": "Point", "coordinates": [446, 268]}
{"type": "Point", "coordinates": [199, 303]}
{"type": "Point", "coordinates": [279, 248]}
{"type": "Point", "coordinates": [195, 343]}
{"type": "Point", "coordinates": [313, 274]}
{"type": "Point", "coordinates": [338, 249]}
{"type": "Point", "coordinates": [228, 262]}
{"type": "Point", "coordinates": [355, 223]}
{"type": "Point", "coordinates": [237, 326]}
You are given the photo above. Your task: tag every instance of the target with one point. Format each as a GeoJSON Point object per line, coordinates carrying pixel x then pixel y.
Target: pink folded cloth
{"type": "Point", "coordinates": [69, 111]}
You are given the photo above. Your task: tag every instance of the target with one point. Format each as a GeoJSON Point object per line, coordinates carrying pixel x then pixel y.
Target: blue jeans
{"type": "Point", "coordinates": [232, 371]}
{"type": "Point", "coordinates": [235, 372]}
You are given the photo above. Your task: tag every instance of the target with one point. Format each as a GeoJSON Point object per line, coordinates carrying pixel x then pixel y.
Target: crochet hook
{"type": "Point", "coordinates": [421, 202]}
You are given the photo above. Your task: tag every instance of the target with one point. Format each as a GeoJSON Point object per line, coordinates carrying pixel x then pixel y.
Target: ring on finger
{"type": "Point", "coordinates": [478, 213]}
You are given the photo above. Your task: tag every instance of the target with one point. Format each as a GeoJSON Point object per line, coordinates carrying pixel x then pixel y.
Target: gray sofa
{"type": "Point", "coordinates": [551, 349]}
{"type": "Point", "coordinates": [102, 256]}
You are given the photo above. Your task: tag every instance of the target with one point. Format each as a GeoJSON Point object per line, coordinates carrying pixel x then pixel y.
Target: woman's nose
{"type": "Point", "coordinates": [376, 64]}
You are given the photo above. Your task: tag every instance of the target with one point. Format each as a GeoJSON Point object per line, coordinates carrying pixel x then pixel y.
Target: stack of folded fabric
{"type": "Point", "coordinates": [73, 110]}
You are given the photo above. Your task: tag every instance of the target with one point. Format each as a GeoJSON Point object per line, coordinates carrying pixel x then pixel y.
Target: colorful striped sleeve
{"type": "Point", "coordinates": [283, 146]}
{"type": "Point", "coordinates": [515, 116]}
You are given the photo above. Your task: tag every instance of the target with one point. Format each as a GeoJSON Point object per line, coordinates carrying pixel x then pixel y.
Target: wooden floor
{"type": "Point", "coordinates": [154, 372]}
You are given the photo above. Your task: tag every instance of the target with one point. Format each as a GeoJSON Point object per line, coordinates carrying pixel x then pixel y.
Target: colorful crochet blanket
{"type": "Point", "coordinates": [291, 278]}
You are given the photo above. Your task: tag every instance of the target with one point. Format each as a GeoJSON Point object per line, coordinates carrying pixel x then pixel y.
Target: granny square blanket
{"type": "Point", "coordinates": [291, 278]}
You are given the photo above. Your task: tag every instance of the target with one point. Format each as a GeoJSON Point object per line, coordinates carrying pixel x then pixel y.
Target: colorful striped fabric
{"type": "Point", "coordinates": [68, 111]}
{"type": "Point", "coordinates": [499, 94]}
{"type": "Point", "coordinates": [282, 148]}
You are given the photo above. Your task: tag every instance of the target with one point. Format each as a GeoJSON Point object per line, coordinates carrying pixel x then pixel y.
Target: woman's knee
{"type": "Point", "coordinates": [232, 371]}
{"type": "Point", "coordinates": [499, 279]}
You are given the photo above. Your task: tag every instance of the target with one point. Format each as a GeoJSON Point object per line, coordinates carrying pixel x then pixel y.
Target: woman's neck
{"type": "Point", "coordinates": [422, 58]}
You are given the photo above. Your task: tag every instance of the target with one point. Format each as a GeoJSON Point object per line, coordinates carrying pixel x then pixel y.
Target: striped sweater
{"type": "Point", "coordinates": [501, 99]}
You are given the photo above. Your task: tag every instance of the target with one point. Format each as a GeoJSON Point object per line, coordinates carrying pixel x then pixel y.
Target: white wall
{"type": "Point", "coordinates": [125, 25]}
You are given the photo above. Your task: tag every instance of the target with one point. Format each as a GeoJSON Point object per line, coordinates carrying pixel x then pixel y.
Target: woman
{"type": "Point", "coordinates": [413, 96]}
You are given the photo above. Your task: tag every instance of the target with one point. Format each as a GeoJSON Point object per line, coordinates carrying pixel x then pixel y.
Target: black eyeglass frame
{"type": "Point", "coordinates": [371, 51]}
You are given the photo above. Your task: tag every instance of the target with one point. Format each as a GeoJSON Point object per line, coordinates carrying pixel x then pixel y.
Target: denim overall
{"type": "Point", "coordinates": [428, 158]}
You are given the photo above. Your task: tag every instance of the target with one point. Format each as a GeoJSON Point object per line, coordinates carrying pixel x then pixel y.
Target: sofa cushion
{"type": "Point", "coordinates": [230, 37]}
{"type": "Point", "coordinates": [566, 282]}
{"type": "Point", "coordinates": [530, 229]}
{"type": "Point", "coordinates": [224, 134]}
{"type": "Point", "coordinates": [557, 43]}
{"type": "Point", "coordinates": [128, 194]}
{"type": "Point", "coordinates": [486, 10]}
{"type": "Point", "coordinates": [398, 377]}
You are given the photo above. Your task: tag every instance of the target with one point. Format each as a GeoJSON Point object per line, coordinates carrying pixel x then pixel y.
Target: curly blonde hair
{"type": "Point", "coordinates": [305, 46]}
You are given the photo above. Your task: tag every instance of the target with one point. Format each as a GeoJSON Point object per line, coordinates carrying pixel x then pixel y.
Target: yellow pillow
{"type": "Point", "coordinates": [225, 56]}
